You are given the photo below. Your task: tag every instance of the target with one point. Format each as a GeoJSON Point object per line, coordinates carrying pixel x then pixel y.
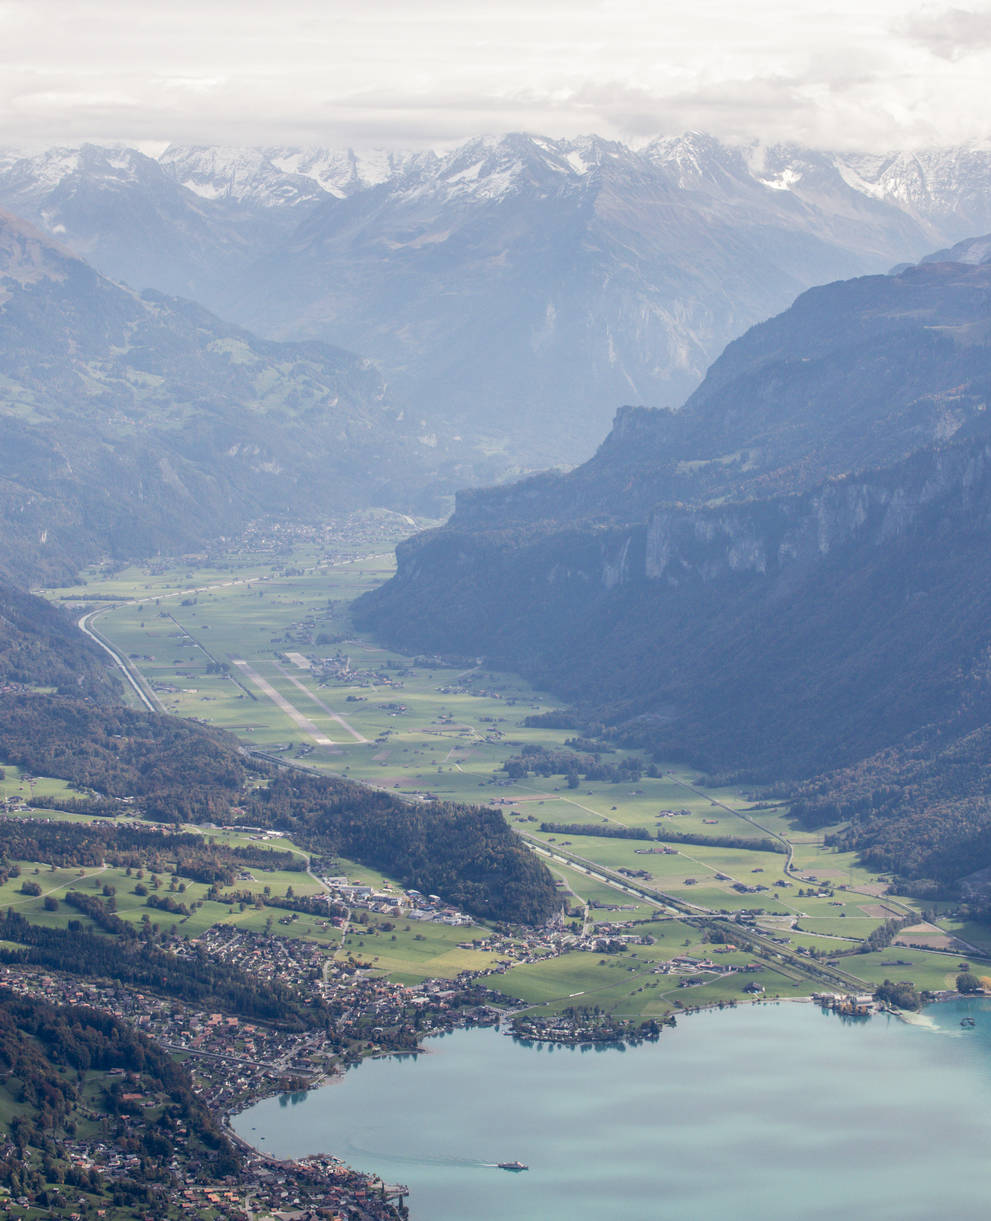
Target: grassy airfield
{"type": "Point", "coordinates": [260, 642]}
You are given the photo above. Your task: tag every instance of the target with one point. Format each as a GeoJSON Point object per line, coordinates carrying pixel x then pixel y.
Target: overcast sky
{"type": "Point", "coordinates": [875, 74]}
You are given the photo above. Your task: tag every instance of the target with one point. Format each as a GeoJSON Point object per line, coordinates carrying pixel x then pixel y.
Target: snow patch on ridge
{"type": "Point", "coordinates": [783, 181]}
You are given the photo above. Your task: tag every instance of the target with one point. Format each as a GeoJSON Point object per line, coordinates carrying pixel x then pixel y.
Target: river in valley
{"type": "Point", "coordinates": [774, 1111]}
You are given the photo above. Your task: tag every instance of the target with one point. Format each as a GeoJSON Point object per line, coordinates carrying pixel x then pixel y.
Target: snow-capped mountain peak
{"type": "Point", "coordinates": [280, 177]}
{"type": "Point", "coordinates": [245, 175]}
{"type": "Point", "coordinates": [513, 277]}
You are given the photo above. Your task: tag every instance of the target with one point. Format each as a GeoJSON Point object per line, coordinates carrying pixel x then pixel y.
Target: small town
{"type": "Point", "coordinates": [235, 1062]}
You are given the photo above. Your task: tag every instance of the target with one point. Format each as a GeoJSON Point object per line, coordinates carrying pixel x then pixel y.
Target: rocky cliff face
{"type": "Point", "coordinates": [769, 537]}
{"type": "Point", "coordinates": [681, 545]}
{"type": "Point", "coordinates": [744, 580]}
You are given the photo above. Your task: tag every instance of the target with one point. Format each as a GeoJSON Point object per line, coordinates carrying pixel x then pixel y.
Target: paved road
{"type": "Point", "coordinates": [84, 626]}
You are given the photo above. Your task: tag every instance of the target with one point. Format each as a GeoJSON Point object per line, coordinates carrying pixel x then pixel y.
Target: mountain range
{"type": "Point", "coordinates": [786, 581]}
{"type": "Point", "coordinates": [782, 580]}
{"type": "Point", "coordinates": [136, 423]}
{"type": "Point", "coordinates": [513, 291]}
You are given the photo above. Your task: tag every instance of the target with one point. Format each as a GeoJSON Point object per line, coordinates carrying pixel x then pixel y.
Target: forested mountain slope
{"type": "Point", "coordinates": [130, 424]}
{"type": "Point", "coordinates": [41, 646]}
{"type": "Point", "coordinates": [467, 854]}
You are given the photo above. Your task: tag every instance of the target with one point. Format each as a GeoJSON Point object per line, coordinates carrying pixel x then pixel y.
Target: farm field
{"type": "Point", "coordinates": [260, 642]}
{"type": "Point", "coordinates": [402, 950]}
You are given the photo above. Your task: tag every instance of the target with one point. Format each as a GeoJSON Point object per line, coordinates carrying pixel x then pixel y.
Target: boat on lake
{"type": "Point", "coordinates": [512, 1166]}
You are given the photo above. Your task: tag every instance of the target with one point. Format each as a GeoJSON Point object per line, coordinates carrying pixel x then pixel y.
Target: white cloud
{"type": "Point", "coordinates": [949, 33]}
{"type": "Point", "coordinates": [435, 71]}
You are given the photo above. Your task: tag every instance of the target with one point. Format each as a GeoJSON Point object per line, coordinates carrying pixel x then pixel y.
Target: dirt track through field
{"type": "Point", "coordinates": [280, 701]}
{"type": "Point", "coordinates": [334, 716]}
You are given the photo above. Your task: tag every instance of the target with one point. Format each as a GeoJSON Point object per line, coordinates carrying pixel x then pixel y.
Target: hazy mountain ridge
{"type": "Point", "coordinates": [973, 250]}
{"type": "Point", "coordinates": [604, 275]}
{"type": "Point", "coordinates": [122, 212]}
{"type": "Point", "coordinates": [601, 274]}
{"type": "Point", "coordinates": [136, 423]}
{"type": "Point", "coordinates": [768, 636]}
{"type": "Point", "coordinates": [855, 375]}
{"type": "Point", "coordinates": [280, 177]}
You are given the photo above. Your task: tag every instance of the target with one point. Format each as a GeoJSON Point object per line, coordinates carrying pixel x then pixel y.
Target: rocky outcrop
{"type": "Point", "coordinates": [744, 581]}
{"type": "Point", "coordinates": [766, 537]}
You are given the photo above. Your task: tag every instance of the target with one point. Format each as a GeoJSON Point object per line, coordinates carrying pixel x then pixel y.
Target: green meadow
{"type": "Point", "coordinates": [261, 643]}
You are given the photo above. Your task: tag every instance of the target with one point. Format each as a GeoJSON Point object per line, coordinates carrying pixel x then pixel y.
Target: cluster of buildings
{"type": "Point", "coordinates": [307, 1189]}
{"type": "Point", "coordinates": [338, 669]}
{"type": "Point", "coordinates": [852, 1004]}
{"type": "Point", "coordinates": [234, 1062]}
{"type": "Point", "coordinates": [341, 539]}
{"type": "Point", "coordinates": [259, 956]}
{"type": "Point", "coordinates": [409, 904]}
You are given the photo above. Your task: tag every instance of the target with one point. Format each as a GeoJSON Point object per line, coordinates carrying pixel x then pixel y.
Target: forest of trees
{"type": "Point", "coordinates": [174, 770]}
{"type": "Point", "coordinates": [45, 1052]}
{"type": "Point", "coordinates": [179, 771]}
{"type": "Point", "coordinates": [134, 959]}
{"type": "Point", "coordinates": [41, 646]}
{"type": "Point", "coordinates": [585, 763]}
{"type": "Point", "coordinates": [467, 854]}
{"type": "Point", "coordinates": [126, 845]}
{"type": "Point", "coordinates": [921, 811]}
{"type": "Point", "coordinates": [612, 831]}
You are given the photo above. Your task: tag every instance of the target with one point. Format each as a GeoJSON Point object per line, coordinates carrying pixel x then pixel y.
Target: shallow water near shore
{"type": "Point", "coordinates": [779, 1112]}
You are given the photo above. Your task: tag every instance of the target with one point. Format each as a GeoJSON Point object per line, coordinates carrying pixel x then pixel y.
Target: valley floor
{"type": "Point", "coordinates": [259, 642]}
{"type": "Point", "coordinates": [675, 895]}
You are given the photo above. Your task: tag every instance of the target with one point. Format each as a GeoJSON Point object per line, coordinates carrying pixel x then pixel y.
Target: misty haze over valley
{"type": "Point", "coordinates": [459, 570]}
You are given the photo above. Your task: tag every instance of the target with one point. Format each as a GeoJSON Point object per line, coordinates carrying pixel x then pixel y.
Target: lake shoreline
{"type": "Point", "coordinates": [339, 1076]}
{"type": "Point", "coordinates": [778, 1085]}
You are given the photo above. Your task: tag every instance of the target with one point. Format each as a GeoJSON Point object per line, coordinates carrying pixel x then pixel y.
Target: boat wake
{"type": "Point", "coordinates": [922, 1020]}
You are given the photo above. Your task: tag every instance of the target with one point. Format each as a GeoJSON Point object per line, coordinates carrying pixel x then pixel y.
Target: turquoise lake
{"type": "Point", "coordinates": [778, 1112]}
